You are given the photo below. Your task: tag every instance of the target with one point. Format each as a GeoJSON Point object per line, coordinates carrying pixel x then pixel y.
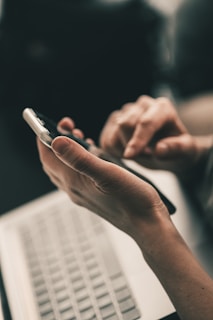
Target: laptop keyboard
{"type": "Point", "coordinates": [74, 271]}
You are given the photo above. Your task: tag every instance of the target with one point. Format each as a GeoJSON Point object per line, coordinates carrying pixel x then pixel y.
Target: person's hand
{"type": "Point", "coordinates": [150, 132]}
{"type": "Point", "coordinates": [135, 207]}
{"type": "Point", "coordinates": [104, 188]}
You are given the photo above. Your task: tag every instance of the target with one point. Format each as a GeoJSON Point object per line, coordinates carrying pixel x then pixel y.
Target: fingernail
{"type": "Point", "coordinates": [147, 151]}
{"type": "Point", "coordinates": [60, 145]}
{"type": "Point", "coordinates": [162, 149]}
{"type": "Point", "coordinates": [64, 130]}
{"type": "Point", "coordinates": [129, 152]}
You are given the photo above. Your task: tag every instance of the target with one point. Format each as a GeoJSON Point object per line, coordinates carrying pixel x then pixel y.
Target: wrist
{"type": "Point", "coordinates": [154, 236]}
{"type": "Point", "coordinates": [160, 254]}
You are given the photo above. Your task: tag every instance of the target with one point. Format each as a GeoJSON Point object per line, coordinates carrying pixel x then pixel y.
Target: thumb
{"type": "Point", "coordinates": [107, 177]}
{"type": "Point", "coordinates": [173, 147]}
{"type": "Point", "coordinates": [79, 159]}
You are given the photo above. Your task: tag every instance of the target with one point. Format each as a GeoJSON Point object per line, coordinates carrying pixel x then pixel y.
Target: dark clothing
{"type": "Point", "coordinates": [204, 189]}
{"type": "Point", "coordinates": [193, 48]}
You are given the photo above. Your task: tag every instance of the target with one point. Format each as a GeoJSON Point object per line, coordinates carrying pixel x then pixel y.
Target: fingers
{"type": "Point", "coordinates": [154, 117]}
{"type": "Point", "coordinates": [49, 161]}
{"type": "Point", "coordinates": [67, 125]}
{"type": "Point", "coordinates": [137, 126]}
{"type": "Point", "coordinates": [110, 139]}
{"type": "Point", "coordinates": [174, 148]}
{"type": "Point", "coordinates": [77, 158]}
{"type": "Point", "coordinates": [106, 176]}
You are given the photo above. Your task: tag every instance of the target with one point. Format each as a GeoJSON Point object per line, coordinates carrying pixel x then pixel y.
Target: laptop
{"type": "Point", "coordinates": [60, 261]}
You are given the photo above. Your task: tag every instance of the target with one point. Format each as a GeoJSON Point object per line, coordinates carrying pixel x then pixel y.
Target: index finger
{"type": "Point", "coordinates": [159, 113]}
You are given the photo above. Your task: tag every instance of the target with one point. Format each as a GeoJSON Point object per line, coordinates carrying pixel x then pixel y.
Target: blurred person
{"type": "Point", "coordinates": [189, 71]}
{"type": "Point", "coordinates": [150, 132]}
{"type": "Point", "coordinates": [192, 48]}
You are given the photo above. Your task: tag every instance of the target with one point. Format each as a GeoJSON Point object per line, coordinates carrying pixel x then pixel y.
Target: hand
{"type": "Point", "coordinates": [150, 132]}
{"type": "Point", "coordinates": [133, 206]}
{"type": "Point", "coordinates": [104, 188]}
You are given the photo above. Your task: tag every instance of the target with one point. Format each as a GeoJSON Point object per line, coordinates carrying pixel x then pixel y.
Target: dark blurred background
{"type": "Point", "coordinates": [81, 58]}
{"type": "Point", "coordinates": [85, 58]}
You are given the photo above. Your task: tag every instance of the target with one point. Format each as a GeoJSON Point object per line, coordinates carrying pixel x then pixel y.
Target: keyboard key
{"type": "Point", "coordinates": [113, 317]}
{"type": "Point", "coordinates": [119, 282]}
{"type": "Point", "coordinates": [104, 301]}
{"type": "Point", "coordinates": [74, 274]}
{"type": "Point", "coordinates": [65, 305]}
{"type": "Point", "coordinates": [126, 305]}
{"type": "Point", "coordinates": [68, 315]}
{"type": "Point", "coordinates": [132, 314]}
{"type": "Point", "coordinates": [98, 281]}
{"type": "Point", "coordinates": [81, 294]}
{"type": "Point", "coordinates": [38, 280]}
{"type": "Point", "coordinates": [45, 308]}
{"type": "Point", "coordinates": [41, 289]}
{"type": "Point", "coordinates": [107, 311]}
{"type": "Point", "coordinates": [49, 316]}
{"type": "Point", "coordinates": [94, 273]}
{"type": "Point", "coordinates": [88, 314]}
{"type": "Point", "coordinates": [59, 286]}
{"type": "Point", "coordinates": [78, 284]}
{"type": "Point", "coordinates": [43, 298]}
{"type": "Point", "coordinates": [84, 304]}
{"type": "Point", "coordinates": [61, 295]}
{"type": "Point", "coordinates": [100, 291]}
{"type": "Point", "coordinates": [122, 294]}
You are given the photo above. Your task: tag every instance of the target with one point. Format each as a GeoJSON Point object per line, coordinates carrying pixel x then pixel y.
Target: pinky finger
{"type": "Point", "coordinates": [78, 133]}
{"type": "Point", "coordinates": [66, 125]}
{"type": "Point", "coordinates": [90, 141]}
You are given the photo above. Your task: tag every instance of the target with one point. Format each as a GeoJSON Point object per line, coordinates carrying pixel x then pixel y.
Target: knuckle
{"type": "Point", "coordinates": [165, 103]}
{"type": "Point", "coordinates": [144, 99]}
{"type": "Point", "coordinates": [114, 115]}
{"type": "Point", "coordinates": [79, 163]}
{"type": "Point", "coordinates": [105, 145]}
{"type": "Point", "coordinates": [127, 106]}
{"type": "Point", "coordinates": [146, 123]}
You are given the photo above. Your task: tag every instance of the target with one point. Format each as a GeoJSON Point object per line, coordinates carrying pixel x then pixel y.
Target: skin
{"type": "Point", "coordinates": [150, 132]}
{"type": "Point", "coordinates": [134, 206]}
